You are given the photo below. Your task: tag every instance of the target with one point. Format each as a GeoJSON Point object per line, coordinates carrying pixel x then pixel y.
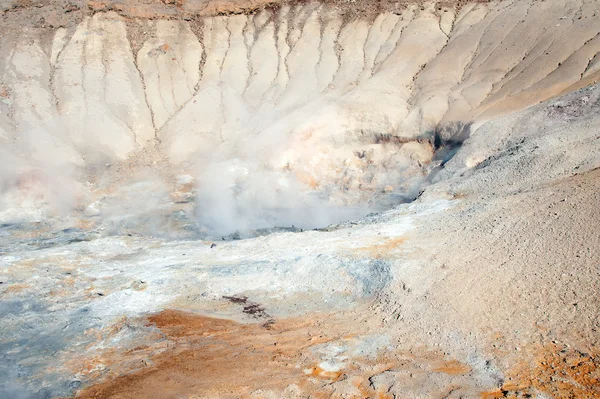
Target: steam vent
{"type": "Point", "coordinates": [265, 199]}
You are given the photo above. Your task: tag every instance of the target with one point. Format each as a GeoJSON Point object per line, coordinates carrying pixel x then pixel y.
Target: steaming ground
{"type": "Point", "coordinates": [416, 186]}
{"type": "Point", "coordinates": [299, 115]}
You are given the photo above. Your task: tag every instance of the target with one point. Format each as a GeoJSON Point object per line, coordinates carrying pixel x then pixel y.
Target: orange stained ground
{"type": "Point", "coordinates": [206, 357]}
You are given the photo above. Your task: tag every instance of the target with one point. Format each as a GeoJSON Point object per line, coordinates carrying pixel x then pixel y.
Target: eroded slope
{"type": "Point", "coordinates": [114, 129]}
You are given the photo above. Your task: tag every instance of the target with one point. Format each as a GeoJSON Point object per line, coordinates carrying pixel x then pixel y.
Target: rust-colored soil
{"type": "Point", "coordinates": [558, 371]}
{"type": "Point", "coordinates": [452, 367]}
{"type": "Point", "coordinates": [216, 357]}
{"type": "Point", "coordinates": [382, 249]}
{"type": "Point", "coordinates": [180, 324]}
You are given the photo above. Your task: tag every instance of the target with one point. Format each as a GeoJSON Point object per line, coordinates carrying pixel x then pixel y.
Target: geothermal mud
{"type": "Point", "coordinates": [210, 199]}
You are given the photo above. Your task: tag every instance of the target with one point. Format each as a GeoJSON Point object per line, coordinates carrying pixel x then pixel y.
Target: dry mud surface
{"type": "Point", "coordinates": [265, 199]}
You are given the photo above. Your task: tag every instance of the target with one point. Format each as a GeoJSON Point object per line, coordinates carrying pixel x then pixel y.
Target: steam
{"type": "Point", "coordinates": [34, 189]}
{"type": "Point", "coordinates": [306, 165]}
{"type": "Point", "coordinates": [242, 195]}
{"type": "Point", "coordinates": [141, 205]}
{"type": "Point", "coordinates": [302, 167]}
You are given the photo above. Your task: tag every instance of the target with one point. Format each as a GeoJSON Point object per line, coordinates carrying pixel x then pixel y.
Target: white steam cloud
{"type": "Point", "coordinates": [303, 167]}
